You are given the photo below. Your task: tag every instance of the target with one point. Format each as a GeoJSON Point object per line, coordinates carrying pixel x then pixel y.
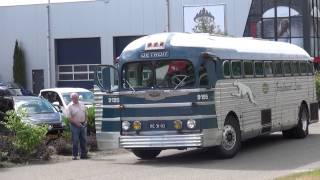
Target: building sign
{"type": "Point", "coordinates": [204, 19]}
{"type": "Point", "coordinates": [154, 54]}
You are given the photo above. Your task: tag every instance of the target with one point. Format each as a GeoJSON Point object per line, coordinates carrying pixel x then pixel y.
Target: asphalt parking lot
{"type": "Point", "coordinates": [260, 158]}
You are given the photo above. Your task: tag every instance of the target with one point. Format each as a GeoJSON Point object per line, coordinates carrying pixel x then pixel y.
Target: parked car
{"type": "Point", "coordinates": [38, 110]}
{"type": "Point", "coordinates": [61, 96]}
{"type": "Point", "coordinates": [6, 91]}
{"type": "Point", "coordinates": [15, 89]}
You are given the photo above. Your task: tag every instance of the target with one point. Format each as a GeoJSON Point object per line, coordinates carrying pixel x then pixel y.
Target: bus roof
{"type": "Point", "coordinates": [224, 47]}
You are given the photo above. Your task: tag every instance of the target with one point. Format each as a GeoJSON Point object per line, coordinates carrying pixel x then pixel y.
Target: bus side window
{"type": "Point", "coordinates": [303, 68]}
{"type": "Point", "coordinates": [311, 69]}
{"type": "Point", "coordinates": [287, 69]}
{"type": "Point", "coordinates": [236, 69]}
{"type": "Point", "coordinates": [268, 69]}
{"type": "Point", "coordinates": [203, 76]}
{"type": "Point", "coordinates": [295, 68]}
{"type": "Point", "coordinates": [258, 68]}
{"type": "Point", "coordinates": [277, 68]}
{"type": "Point", "coordinates": [248, 68]}
{"type": "Point", "coordinates": [226, 69]}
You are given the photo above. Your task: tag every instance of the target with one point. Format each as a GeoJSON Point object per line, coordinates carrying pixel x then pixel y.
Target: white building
{"type": "Point", "coordinates": [63, 41]}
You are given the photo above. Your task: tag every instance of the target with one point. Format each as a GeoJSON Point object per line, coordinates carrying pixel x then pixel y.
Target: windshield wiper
{"type": "Point", "coordinates": [129, 84]}
{"type": "Point", "coordinates": [181, 81]}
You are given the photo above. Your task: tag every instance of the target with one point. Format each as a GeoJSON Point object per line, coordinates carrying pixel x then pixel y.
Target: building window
{"type": "Point", "coordinates": [76, 72]}
{"type": "Point", "coordinates": [279, 20]}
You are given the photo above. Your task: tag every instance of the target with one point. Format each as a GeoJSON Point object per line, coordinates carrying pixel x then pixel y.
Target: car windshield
{"type": "Point", "coordinates": [162, 74]}
{"type": "Point", "coordinates": [34, 106]}
{"type": "Point", "coordinates": [86, 97]}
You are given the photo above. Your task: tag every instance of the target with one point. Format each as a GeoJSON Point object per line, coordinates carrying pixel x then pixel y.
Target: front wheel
{"type": "Point", "coordinates": [231, 139]}
{"type": "Point", "coordinates": [146, 154]}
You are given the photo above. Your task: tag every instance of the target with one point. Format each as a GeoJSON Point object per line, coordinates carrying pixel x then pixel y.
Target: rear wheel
{"type": "Point", "coordinates": [231, 139]}
{"type": "Point", "coordinates": [302, 129]}
{"type": "Point", "coordinates": [146, 154]}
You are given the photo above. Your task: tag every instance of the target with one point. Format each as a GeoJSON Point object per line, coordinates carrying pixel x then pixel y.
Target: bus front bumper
{"type": "Point", "coordinates": [163, 141]}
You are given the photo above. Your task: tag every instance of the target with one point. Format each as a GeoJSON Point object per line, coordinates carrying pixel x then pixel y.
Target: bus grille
{"type": "Point", "coordinates": [164, 141]}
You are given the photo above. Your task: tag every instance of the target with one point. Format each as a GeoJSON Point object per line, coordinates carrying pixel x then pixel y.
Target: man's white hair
{"type": "Point", "coordinates": [74, 94]}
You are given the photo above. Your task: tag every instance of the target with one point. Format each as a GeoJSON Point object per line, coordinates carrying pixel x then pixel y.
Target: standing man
{"type": "Point", "coordinates": [78, 126]}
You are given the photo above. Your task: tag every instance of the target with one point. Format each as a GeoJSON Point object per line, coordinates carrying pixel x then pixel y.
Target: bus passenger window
{"type": "Point", "coordinates": [268, 69]}
{"type": "Point", "coordinates": [287, 68]}
{"type": "Point", "coordinates": [203, 77]}
{"type": "Point", "coordinates": [258, 66]}
{"type": "Point", "coordinates": [236, 68]}
{"type": "Point", "coordinates": [303, 67]}
{"type": "Point", "coordinates": [278, 68]}
{"type": "Point", "coordinates": [295, 68]}
{"type": "Point", "coordinates": [226, 69]}
{"type": "Point", "coordinates": [310, 65]}
{"type": "Point", "coordinates": [248, 68]}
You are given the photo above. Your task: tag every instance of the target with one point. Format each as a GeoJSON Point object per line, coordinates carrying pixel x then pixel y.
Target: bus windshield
{"type": "Point", "coordinates": [171, 74]}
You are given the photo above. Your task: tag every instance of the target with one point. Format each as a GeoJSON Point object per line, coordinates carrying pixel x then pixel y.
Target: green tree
{"type": "Point", "coordinates": [19, 66]}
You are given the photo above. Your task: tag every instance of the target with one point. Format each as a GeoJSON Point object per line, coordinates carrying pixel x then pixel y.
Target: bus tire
{"type": "Point", "coordinates": [302, 128]}
{"type": "Point", "coordinates": [146, 153]}
{"type": "Point", "coordinates": [231, 138]}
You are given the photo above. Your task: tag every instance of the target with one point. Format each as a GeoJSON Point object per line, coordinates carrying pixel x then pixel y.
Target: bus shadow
{"type": "Point", "coordinates": [271, 152]}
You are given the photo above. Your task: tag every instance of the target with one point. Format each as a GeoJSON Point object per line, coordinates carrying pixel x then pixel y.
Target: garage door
{"type": "Point", "coordinates": [76, 60]}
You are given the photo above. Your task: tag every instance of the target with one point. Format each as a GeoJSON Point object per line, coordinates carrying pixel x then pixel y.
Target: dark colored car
{"type": "Point", "coordinates": [15, 89]}
{"type": "Point", "coordinates": [39, 111]}
{"type": "Point", "coordinates": [6, 91]}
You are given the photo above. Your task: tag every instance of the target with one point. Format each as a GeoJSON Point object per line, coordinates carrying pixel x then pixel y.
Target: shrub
{"type": "Point", "coordinates": [26, 137]}
{"type": "Point", "coordinates": [19, 66]}
{"type": "Point", "coordinates": [66, 135]}
{"type": "Point", "coordinates": [91, 120]}
{"type": "Point", "coordinates": [318, 86]}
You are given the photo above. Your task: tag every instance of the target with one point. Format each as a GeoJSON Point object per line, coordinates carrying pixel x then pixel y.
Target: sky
{"type": "Point", "coordinates": [22, 2]}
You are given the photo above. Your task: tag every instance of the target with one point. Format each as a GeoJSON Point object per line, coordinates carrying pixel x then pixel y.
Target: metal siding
{"type": "Point", "coordinates": [284, 105]}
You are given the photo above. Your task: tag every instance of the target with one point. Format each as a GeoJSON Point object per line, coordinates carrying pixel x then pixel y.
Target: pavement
{"type": "Point", "coordinates": [265, 157]}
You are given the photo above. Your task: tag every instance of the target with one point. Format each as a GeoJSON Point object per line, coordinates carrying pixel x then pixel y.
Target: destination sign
{"type": "Point", "coordinates": [154, 54]}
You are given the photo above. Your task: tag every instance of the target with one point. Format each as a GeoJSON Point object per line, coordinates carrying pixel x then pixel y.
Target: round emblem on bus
{"type": "Point", "coordinates": [265, 88]}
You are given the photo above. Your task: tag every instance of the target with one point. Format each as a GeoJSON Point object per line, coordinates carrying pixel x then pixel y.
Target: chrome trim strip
{"type": "Point", "coordinates": [163, 141]}
{"type": "Point", "coordinates": [149, 90]}
{"type": "Point", "coordinates": [108, 119]}
{"type": "Point", "coordinates": [168, 117]}
{"type": "Point", "coordinates": [156, 105]}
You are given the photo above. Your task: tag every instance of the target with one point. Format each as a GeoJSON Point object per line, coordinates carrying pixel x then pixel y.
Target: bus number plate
{"type": "Point", "coordinates": [157, 125]}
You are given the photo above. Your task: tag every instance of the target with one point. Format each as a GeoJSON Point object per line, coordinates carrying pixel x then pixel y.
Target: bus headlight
{"type": "Point", "coordinates": [177, 124]}
{"type": "Point", "coordinates": [191, 124]}
{"type": "Point", "coordinates": [126, 125]}
{"type": "Point", "coordinates": [136, 125]}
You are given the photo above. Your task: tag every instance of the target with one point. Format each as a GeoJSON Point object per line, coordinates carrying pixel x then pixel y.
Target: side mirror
{"type": "Point", "coordinates": [107, 78]}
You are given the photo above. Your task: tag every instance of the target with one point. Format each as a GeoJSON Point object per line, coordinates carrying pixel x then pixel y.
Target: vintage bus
{"type": "Point", "coordinates": [182, 90]}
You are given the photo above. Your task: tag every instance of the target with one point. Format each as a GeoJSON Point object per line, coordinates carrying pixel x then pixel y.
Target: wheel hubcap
{"type": "Point", "coordinates": [229, 137]}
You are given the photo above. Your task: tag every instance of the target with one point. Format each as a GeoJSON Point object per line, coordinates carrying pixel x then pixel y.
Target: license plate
{"type": "Point", "coordinates": [157, 125]}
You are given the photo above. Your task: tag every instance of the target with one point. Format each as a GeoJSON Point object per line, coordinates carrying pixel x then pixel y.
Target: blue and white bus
{"type": "Point", "coordinates": [181, 90]}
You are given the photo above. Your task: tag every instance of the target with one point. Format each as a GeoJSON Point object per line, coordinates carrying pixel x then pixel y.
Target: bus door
{"type": "Point", "coordinates": [107, 104]}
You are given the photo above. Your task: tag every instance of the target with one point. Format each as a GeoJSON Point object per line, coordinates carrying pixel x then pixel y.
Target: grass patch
{"type": "Point", "coordinates": [310, 175]}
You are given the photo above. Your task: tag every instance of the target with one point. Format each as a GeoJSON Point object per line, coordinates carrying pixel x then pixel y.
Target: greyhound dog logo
{"type": "Point", "coordinates": [243, 90]}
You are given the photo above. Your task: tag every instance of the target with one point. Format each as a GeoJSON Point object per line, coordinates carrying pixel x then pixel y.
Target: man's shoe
{"type": "Point", "coordinates": [74, 158]}
{"type": "Point", "coordinates": [84, 157]}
